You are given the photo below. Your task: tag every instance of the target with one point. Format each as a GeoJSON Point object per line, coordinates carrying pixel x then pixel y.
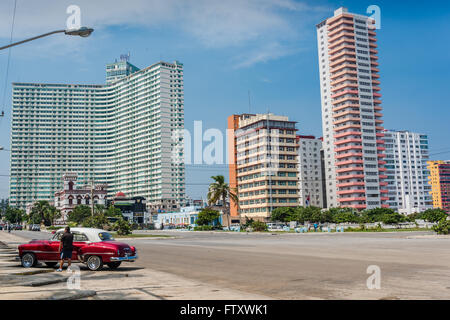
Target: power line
{"type": "Point", "coordinates": [9, 59]}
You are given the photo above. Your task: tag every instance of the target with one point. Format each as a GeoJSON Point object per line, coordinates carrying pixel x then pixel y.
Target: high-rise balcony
{"type": "Point", "coordinates": [341, 121]}
{"type": "Point", "coordinates": [342, 40]}
{"type": "Point", "coordinates": [351, 184]}
{"type": "Point", "coordinates": [352, 140]}
{"type": "Point", "coordinates": [348, 28]}
{"type": "Point", "coordinates": [348, 126]}
{"type": "Point", "coordinates": [345, 113]}
{"type": "Point", "coordinates": [351, 199]}
{"type": "Point", "coordinates": [345, 72]}
{"type": "Point", "coordinates": [353, 191]}
{"type": "Point", "coordinates": [345, 85]}
{"type": "Point", "coordinates": [347, 162]}
{"type": "Point", "coordinates": [345, 46]}
{"type": "Point", "coordinates": [358, 170]}
{"type": "Point", "coordinates": [354, 148]}
{"type": "Point", "coordinates": [344, 99]}
{"type": "Point", "coordinates": [348, 155]}
{"type": "Point", "coordinates": [342, 60]}
{"type": "Point", "coordinates": [343, 53]}
{"type": "Point", "coordinates": [350, 176]}
{"type": "Point", "coordinates": [341, 34]}
{"type": "Point", "coordinates": [344, 92]}
{"type": "Point", "coordinates": [343, 66]}
{"type": "Point", "coordinates": [337, 81]}
{"type": "Point", "coordinates": [355, 206]}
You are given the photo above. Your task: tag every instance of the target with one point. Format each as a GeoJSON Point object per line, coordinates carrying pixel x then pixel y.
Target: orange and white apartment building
{"type": "Point", "coordinates": [263, 164]}
{"type": "Point", "coordinates": [351, 112]}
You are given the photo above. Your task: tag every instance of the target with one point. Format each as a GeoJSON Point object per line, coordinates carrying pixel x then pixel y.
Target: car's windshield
{"type": "Point", "coordinates": [105, 236]}
{"type": "Point", "coordinates": [57, 236]}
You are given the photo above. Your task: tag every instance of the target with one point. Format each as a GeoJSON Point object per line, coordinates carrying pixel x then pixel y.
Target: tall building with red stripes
{"type": "Point", "coordinates": [351, 112]}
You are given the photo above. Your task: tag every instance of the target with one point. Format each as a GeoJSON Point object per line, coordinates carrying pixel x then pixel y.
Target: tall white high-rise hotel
{"type": "Point", "coordinates": [120, 133]}
{"type": "Point", "coordinates": [351, 112]}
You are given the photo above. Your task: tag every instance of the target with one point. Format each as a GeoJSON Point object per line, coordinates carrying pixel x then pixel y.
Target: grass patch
{"type": "Point", "coordinates": [385, 230]}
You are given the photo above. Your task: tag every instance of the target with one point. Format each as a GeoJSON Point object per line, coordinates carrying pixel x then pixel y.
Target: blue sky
{"type": "Point", "coordinates": [267, 47]}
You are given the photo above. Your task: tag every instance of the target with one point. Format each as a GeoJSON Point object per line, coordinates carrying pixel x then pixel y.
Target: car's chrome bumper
{"type": "Point", "coordinates": [130, 258]}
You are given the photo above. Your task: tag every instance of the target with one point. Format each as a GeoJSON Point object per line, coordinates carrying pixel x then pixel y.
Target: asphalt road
{"type": "Point", "coordinates": [303, 266]}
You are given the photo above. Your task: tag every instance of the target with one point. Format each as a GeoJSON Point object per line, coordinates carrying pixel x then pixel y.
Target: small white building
{"type": "Point", "coordinates": [186, 216]}
{"type": "Point", "coordinates": [71, 196]}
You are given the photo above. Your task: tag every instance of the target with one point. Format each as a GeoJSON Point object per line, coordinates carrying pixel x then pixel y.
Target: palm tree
{"type": "Point", "coordinates": [40, 209]}
{"type": "Point", "coordinates": [220, 190]}
{"type": "Point", "coordinates": [53, 214]}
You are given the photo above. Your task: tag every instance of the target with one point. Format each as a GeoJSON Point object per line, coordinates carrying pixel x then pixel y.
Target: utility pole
{"type": "Point", "coordinates": [92, 196]}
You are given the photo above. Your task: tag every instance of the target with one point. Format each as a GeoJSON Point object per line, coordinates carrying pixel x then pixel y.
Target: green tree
{"type": "Point", "coordinates": [207, 217]}
{"type": "Point", "coordinates": [343, 215]}
{"type": "Point", "coordinates": [311, 214]}
{"type": "Point", "coordinates": [42, 211]}
{"type": "Point", "coordinates": [283, 214]}
{"type": "Point", "coordinates": [377, 214]}
{"type": "Point", "coordinates": [259, 226]}
{"type": "Point", "coordinates": [393, 218]}
{"type": "Point", "coordinates": [79, 214]}
{"type": "Point", "coordinates": [14, 215]}
{"type": "Point", "coordinates": [122, 226]}
{"type": "Point", "coordinates": [98, 221]}
{"type": "Point", "coordinates": [433, 215]}
{"type": "Point", "coordinates": [52, 214]}
{"type": "Point", "coordinates": [443, 227]}
{"type": "Point", "coordinates": [220, 190]}
{"type": "Point", "coordinates": [113, 212]}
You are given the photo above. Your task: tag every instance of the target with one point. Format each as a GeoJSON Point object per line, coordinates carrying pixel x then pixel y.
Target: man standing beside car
{"type": "Point", "coordinates": [65, 248]}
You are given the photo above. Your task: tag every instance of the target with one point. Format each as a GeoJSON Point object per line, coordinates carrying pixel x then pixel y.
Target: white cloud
{"type": "Point", "coordinates": [260, 24]}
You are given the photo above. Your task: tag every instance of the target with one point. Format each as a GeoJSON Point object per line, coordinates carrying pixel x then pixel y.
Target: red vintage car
{"type": "Point", "coordinates": [93, 247]}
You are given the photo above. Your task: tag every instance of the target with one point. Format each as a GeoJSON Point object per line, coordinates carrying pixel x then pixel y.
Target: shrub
{"type": "Point", "coordinates": [207, 216]}
{"type": "Point", "coordinates": [259, 226]}
{"type": "Point", "coordinates": [122, 227]}
{"type": "Point", "coordinates": [203, 228]}
{"type": "Point", "coordinates": [434, 215]}
{"type": "Point", "coordinates": [283, 214]}
{"type": "Point", "coordinates": [443, 227]}
{"type": "Point", "coordinates": [98, 221]}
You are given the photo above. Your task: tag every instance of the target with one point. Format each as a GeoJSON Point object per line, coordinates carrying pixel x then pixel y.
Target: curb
{"type": "Point", "coordinates": [75, 296]}
{"type": "Point", "coordinates": [40, 283]}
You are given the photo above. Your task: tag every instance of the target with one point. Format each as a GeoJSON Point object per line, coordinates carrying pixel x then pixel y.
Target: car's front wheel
{"type": "Point", "coordinates": [114, 265]}
{"type": "Point", "coordinates": [28, 260]}
{"type": "Point", "coordinates": [94, 263]}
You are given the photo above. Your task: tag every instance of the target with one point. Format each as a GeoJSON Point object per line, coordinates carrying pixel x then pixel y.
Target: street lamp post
{"type": "Point", "coordinates": [82, 32]}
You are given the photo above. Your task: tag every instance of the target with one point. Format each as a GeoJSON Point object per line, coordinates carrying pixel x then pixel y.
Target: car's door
{"type": "Point", "coordinates": [79, 240]}
{"type": "Point", "coordinates": [53, 248]}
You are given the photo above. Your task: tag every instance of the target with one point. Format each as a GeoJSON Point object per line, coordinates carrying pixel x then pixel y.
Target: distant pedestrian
{"type": "Point", "coordinates": [65, 248]}
{"type": "Point", "coordinates": [315, 227]}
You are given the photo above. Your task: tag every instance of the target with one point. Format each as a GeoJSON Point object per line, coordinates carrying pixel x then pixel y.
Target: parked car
{"type": "Point", "coordinates": [34, 227]}
{"type": "Point", "coordinates": [93, 247]}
